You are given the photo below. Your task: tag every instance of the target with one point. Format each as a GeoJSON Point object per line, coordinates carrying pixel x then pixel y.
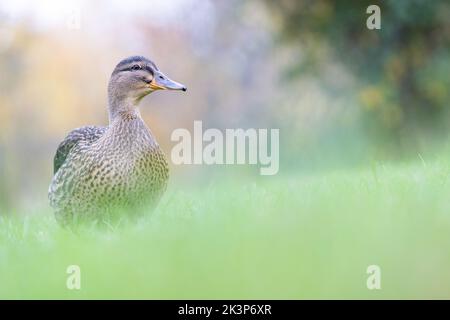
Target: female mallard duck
{"type": "Point", "coordinates": [98, 170]}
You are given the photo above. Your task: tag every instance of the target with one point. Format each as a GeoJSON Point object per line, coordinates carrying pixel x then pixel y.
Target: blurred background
{"type": "Point", "coordinates": [343, 96]}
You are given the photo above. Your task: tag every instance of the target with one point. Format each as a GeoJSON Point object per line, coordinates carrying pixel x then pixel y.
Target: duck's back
{"type": "Point", "coordinates": [87, 134]}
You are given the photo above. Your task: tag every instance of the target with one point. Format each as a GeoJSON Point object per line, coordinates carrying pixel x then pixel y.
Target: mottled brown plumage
{"type": "Point", "coordinates": [100, 171]}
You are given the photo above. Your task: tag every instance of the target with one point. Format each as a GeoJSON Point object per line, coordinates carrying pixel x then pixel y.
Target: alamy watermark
{"type": "Point", "coordinates": [73, 18]}
{"type": "Point", "coordinates": [73, 281]}
{"type": "Point", "coordinates": [235, 146]}
{"type": "Point", "coordinates": [374, 20]}
{"type": "Point", "coordinates": [374, 279]}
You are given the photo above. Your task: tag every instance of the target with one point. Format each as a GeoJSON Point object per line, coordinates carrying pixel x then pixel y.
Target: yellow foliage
{"type": "Point", "coordinates": [394, 68]}
{"type": "Point", "coordinates": [371, 97]}
{"type": "Point", "coordinates": [437, 92]}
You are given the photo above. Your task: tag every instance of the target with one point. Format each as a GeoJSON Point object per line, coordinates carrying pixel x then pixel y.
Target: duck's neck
{"type": "Point", "coordinates": [124, 116]}
{"type": "Point", "coordinates": [122, 107]}
{"type": "Point", "coordinates": [126, 124]}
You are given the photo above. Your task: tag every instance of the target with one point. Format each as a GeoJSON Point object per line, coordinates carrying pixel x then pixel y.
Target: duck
{"type": "Point", "coordinates": [106, 172]}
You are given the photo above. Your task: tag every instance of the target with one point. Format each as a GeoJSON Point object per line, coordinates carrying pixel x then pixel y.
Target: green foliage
{"type": "Point", "coordinates": [402, 69]}
{"type": "Point", "coordinates": [291, 237]}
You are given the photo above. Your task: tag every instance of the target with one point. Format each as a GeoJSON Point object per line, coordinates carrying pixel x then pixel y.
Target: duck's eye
{"type": "Point", "coordinates": [136, 67]}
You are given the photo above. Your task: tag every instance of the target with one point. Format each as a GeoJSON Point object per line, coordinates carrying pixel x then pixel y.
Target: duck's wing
{"type": "Point", "coordinates": [86, 134]}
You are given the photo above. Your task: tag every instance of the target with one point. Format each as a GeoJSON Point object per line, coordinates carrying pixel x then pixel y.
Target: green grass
{"type": "Point", "coordinates": [279, 237]}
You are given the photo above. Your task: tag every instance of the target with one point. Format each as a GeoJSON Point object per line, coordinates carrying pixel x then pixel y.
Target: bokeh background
{"type": "Point", "coordinates": [364, 119]}
{"type": "Point", "coordinates": [341, 94]}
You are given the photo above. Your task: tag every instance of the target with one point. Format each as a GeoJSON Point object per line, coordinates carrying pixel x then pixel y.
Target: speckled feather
{"type": "Point", "coordinates": [86, 134]}
{"type": "Point", "coordinates": [100, 170]}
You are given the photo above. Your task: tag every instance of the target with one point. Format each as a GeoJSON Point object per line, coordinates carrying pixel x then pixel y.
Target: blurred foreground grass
{"type": "Point", "coordinates": [281, 237]}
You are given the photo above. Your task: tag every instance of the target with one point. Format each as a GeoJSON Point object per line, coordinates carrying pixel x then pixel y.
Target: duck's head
{"type": "Point", "coordinates": [134, 78]}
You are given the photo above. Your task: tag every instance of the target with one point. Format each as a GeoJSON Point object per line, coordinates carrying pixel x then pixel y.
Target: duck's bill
{"type": "Point", "coordinates": [162, 82]}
